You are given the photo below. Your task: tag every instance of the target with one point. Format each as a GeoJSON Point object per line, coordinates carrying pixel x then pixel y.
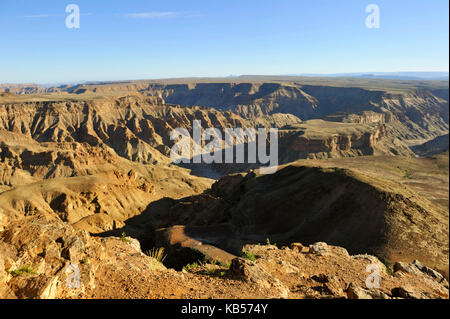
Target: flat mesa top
{"type": "Point", "coordinates": [97, 90]}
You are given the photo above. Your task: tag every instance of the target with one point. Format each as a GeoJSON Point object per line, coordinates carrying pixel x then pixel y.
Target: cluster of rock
{"type": "Point", "coordinates": [43, 257]}
{"type": "Point", "coordinates": [317, 274]}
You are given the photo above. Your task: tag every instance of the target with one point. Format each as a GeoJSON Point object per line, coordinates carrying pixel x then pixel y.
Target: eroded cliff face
{"type": "Point", "coordinates": [420, 114]}
{"type": "Point", "coordinates": [93, 164]}
{"type": "Point", "coordinates": [138, 128]}
{"type": "Point", "coordinates": [417, 114]}
{"type": "Point", "coordinates": [26, 89]}
{"type": "Point", "coordinates": [133, 127]}
{"type": "Point", "coordinates": [365, 117]}
{"type": "Point", "coordinates": [297, 145]}
{"type": "Point", "coordinates": [317, 139]}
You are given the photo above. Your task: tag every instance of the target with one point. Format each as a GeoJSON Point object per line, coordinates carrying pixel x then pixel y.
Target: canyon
{"type": "Point", "coordinates": [86, 178]}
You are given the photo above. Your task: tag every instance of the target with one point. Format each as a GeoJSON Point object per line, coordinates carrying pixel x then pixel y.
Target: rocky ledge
{"type": "Point", "coordinates": [43, 257]}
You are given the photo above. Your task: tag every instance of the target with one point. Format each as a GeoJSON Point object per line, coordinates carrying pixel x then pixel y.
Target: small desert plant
{"type": "Point", "coordinates": [408, 174]}
{"type": "Point", "coordinates": [157, 253]}
{"type": "Point", "coordinates": [22, 270]}
{"type": "Point", "coordinates": [226, 265]}
{"type": "Point", "coordinates": [388, 268]}
{"type": "Point", "coordinates": [249, 255]}
{"type": "Point", "coordinates": [85, 261]}
{"type": "Point", "coordinates": [123, 237]}
{"type": "Point", "coordinates": [269, 244]}
{"type": "Point", "coordinates": [192, 266]}
{"type": "Point", "coordinates": [211, 269]}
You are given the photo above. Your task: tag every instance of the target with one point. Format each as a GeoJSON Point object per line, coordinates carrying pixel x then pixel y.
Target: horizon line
{"type": "Point", "coordinates": [240, 75]}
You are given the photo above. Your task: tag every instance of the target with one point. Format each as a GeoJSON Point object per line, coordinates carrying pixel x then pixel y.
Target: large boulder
{"type": "Point", "coordinates": [45, 258]}
{"type": "Point", "coordinates": [357, 292]}
{"type": "Point", "coordinates": [417, 268]}
{"type": "Point", "coordinates": [248, 271]}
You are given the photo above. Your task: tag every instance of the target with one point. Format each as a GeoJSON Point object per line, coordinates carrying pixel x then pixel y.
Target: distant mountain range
{"type": "Point", "coordinates": [440, 76]}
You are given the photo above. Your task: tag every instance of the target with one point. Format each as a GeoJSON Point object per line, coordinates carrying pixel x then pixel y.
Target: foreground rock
{"type": "Point", "coordinates": [42, 257]}
{"type": "Point", "coordinates": [249, 271]}
{"type": "Point", "coordinates": [324, 271]}
{"type": "Point", "coordinates": [183, 248]}
{"type": "Point", "coordinates": [310, 203]}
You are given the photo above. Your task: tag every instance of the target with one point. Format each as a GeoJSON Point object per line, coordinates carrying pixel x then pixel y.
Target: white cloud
{"type": "Point", "coordinates": [154, 15]}
{"type": "Point", "coordinates": [42, 15]}
{"type": "Point", "coordinates": [138, 15]}
{"type": "Point", "coordinates": [35, 16]}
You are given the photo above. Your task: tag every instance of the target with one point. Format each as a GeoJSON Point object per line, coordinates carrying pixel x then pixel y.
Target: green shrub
{"type": "Point", "coordinates": [269, 244]}
{"type": "Point", "coordinates": [249, 255]}
{"type": "Point", "coordinates": [157, 253]}
{"type": "Point", "coordinates": [22, 270]}
{"type": "Point", "coordinates": [123, 237]}
{"type": "Point", "coordinates": [226, 265]}
{"type": "Point", "coordinates": [408, 174]}
{"type": "Point", "coordinates": [85, 261]}
{"type": "Point", "coordinates": [192, 266]}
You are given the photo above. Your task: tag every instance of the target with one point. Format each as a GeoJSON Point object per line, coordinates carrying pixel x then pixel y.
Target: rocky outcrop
{"type": "Point", "coordinates": [309, 142]}
{"type": "Point", "coordinates": [308, 204]}
{"type": "Point", "coordinates": [325, 271]}
{"type": "Point", "coordinates": [367, 117]}
{"type": "Point", "coordinates": [183, 248]}
{"type": "Point", "coordinates": [44, 258]}
{"type": "Point", "coordinates": [249, 271]}
{"type": "Point", "coordinates": [89, 187]}
{"type": "Point", "coordinates": [22, 89]}
{"type": "Point", "coordinates": [356, 292]}
{"type": "Point", "coordinates": [417, 268]}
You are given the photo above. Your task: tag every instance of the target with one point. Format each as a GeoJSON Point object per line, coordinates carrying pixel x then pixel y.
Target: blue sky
{"type": "Point", "coordinates": [120, 40]}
